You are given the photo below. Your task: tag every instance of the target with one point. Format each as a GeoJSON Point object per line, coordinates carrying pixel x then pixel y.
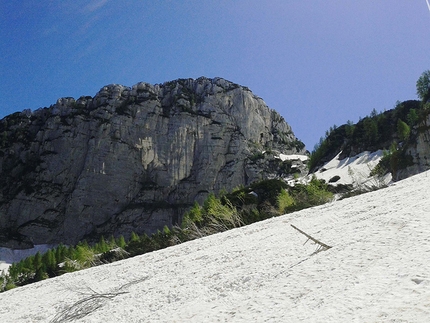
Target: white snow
{"type": "Point", "coordinates": [284, 157]}
{"type": "Point", "coordinates": [353, 170]}
{"type": "Point", "coordinates": [378, 270]}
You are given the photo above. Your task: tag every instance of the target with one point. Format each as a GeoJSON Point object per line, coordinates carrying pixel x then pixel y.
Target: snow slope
{"type": "Point", "coordinates": [378, 270]}
{"type": "Point", "coordinates": [353, 170]}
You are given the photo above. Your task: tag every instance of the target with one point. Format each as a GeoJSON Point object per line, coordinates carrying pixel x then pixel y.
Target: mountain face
{"type": "Point", "coordinates": [132, 159]}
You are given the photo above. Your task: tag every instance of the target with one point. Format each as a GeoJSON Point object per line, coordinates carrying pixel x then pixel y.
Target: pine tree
{"type": "Point", "coordinates": [41, 273]}
{"type": "Point", "coordinates": [37, 263]}
{"type": "Point", "coordinates": [423, 86]}
{"type": "Point", "coordinates": [134, 237]}
{"type": "Point", "coordinates": [101, 246]}
{"type": "Point", "coordinates": [112, 243]}
{"type": "Point", "coordinates": [412, 117]}
{"type": "Point", "coordinates": [120, 242]}
{"type": "Point", "coordinates": [370, 130]}
{"type": "Point", "coordinates": [60, 253]}
{"type": "Point", "coordinates": [49, 262]}
{"type": "Point", "coordinates": [39, 267]}
{"type": "Point", "coordinates": [13, 272]}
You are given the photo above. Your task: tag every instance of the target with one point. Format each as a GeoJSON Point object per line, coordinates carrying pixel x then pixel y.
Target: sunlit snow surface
{"type": "Point", "coordinates": [293, 157]}
{"type": "Point", "coordinates": [353, 170]}
{"type": "Point", "coordinates": [378, 270]}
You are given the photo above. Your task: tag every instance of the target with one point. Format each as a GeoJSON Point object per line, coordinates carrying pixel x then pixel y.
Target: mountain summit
{"type": "Point", "coordinates": [132, 159]}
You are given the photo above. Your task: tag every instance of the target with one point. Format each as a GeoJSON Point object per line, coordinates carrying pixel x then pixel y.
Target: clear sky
{"type": "Point", "coordinates": [317, 62]}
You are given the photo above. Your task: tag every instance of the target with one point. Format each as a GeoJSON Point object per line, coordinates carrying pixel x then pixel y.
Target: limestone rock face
{"type": "Point", "coordinates": [419, 151]}
{"type": "Point", "coordinates": [132, 159]}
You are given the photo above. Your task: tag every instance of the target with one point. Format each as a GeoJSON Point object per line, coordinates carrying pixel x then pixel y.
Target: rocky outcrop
{"type": "Point", "coordinates": [418, 150]}
{"type": "Point", "coordinates": [132, 159]}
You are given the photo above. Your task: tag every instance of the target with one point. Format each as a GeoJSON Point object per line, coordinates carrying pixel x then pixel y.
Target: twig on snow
{"type": "Point", "coordinates": [322, 246]}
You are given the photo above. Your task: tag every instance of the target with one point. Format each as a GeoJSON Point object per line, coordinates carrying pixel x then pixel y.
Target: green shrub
{"type": "Point", "coordinates": [314, 193]}
{"type": "Point", "coordinates": [193, 215]}
{"type": "Point", "coordinates": [84, 256]}
{"type": "Point", "coordinates": [403, 130]}
{"type": "Point", "coordinates": [285, 201]}
{"type": "Point", "coordinates": [214, 208]}
{"type": "Point", "coordinates": [317, 192]}
{"type": "Point", "coordinates": [9, 286]}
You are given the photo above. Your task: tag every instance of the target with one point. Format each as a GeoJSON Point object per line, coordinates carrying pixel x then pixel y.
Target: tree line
{"type": "Point", "coordinates": [391, 130]}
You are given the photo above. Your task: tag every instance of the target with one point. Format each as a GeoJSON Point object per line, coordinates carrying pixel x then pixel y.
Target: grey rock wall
{"type": "Point", "coordinates": [131, 159]}
{"type": "Point", "coordinates": [419, 151]}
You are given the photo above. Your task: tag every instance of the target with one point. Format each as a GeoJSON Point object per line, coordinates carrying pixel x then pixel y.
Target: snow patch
{"type": "Point", "coordinates": [353, 170]}
{"type": "Point", "coordinates": [293, 157]}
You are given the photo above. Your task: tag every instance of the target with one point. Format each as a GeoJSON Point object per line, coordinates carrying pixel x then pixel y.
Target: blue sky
{"type": "Point", "coordinates": [316, 62]}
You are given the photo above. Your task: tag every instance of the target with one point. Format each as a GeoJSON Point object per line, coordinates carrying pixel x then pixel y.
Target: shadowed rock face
{"type": "Point", "coordinates": [131, 159]}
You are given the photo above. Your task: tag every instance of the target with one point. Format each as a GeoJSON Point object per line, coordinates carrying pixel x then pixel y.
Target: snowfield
{"type": "Point", "coordinates": [378, 270]}
{"type": "Point", "coordinates": [353, 170]}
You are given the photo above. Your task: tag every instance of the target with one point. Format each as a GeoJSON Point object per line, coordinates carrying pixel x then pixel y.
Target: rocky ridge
{"type": "Point", "coordinates": [132, 159]}
{"type": "Point", "coordinates": [407, 145]}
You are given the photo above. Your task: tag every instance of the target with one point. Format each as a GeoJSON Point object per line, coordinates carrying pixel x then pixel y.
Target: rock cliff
{"type": "Point", "coordinates": [419, 150]}
{"type": "Point", "coordinates": [132, 159]}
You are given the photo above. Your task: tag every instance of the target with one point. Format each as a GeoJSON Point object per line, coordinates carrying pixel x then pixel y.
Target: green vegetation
{"type": "Point", "coordinates": [392, 161]}
{"type": "Point", "coordinates": [259, 201]}
{"type": "Point", "coordinates": [423, 86]}
{"type": "Point", "coordinates": [285, 202]}
{"type": "Point", "coordinates": [61, 260]}
{"type": "Point", "coordinates": [374, 132]}
{"type": "Point", "coordinates": [403, 130]}
{"type": "Point", "coordinates": [392, 131]}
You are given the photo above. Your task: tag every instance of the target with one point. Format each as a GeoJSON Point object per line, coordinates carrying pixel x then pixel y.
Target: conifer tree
{"type": "Point", "coordinates": [37, 261]}
{"type": "Point", "coordinates": [60, 253]}
{"type": "Point", "coordinates": [101, 246]}
{"type": "Point", "coordinates": [412, 117]}
{"type": "Point", "coordinates": [28, 262]}
{"type": "Point", "coordinates": [134, 237]}
{"type": "Point", "coordinates": [112, 243]}
{"type": "Point", "coordinates": [49, 262]}
{"type": "Point", "coordinates": [39, 267]}
{"type": "Point", "coordinates": [423, 86]}
{"type": "Point", "coordinates": [120, 242]}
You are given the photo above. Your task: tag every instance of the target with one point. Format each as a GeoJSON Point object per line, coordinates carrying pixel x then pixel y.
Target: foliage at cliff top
{"type": "Point", "coordinates": [386, 130]}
